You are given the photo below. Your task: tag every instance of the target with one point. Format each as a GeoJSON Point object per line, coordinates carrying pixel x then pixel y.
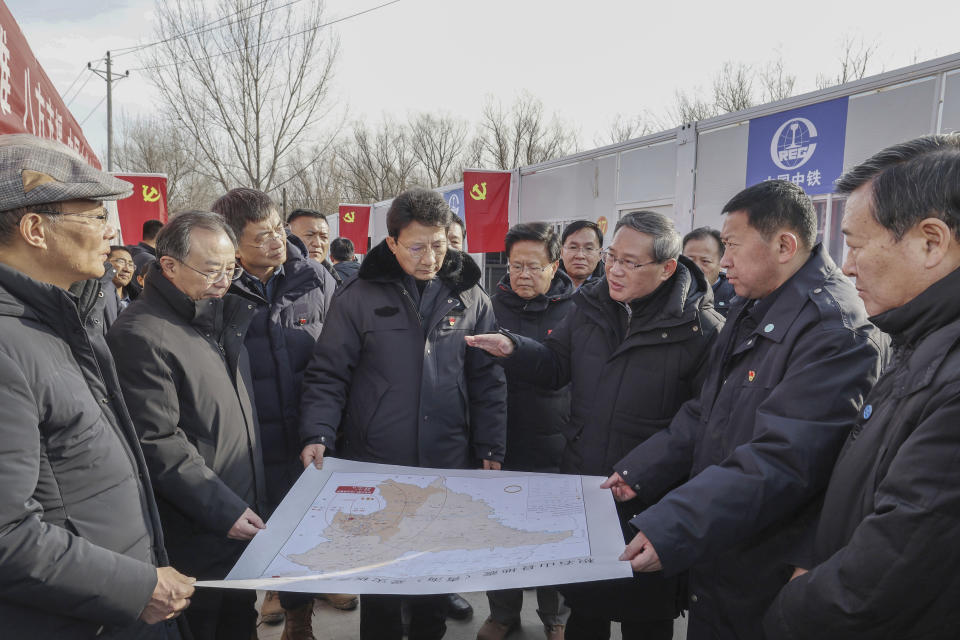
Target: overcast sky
{"type": "Point", "coordinates": [587, 61]}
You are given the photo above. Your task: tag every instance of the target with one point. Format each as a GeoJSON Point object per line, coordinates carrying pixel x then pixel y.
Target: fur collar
{"type": "Point", "coordinates": [458, 271]}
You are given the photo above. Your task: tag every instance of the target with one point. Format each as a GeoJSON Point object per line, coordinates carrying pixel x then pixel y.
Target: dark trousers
{"type": "Point", "coordinates": [581, 626]}
{"type": "Point", "coordinates": [294, 599]}
{"type": "Point", "coordinates": [222, 614]}
{"type": "Point", "coordinates": [380, 617]}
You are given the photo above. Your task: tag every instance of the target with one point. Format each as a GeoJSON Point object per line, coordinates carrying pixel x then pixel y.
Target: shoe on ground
{"type": "Point", "coordinates": [270, 611]}
{"type": "Point", "coordinates": [299, 623]}
{"type": "Point", "coordinates": [342, 601]}
{"type": "Point", "coordinates": [494, 630]}
{"type": "Point", "coordinates": [553, 631]}
{"type": "Point", "coordinates": [458, 608]}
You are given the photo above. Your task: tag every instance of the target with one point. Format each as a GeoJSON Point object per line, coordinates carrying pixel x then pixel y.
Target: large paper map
{"type": "Point", "coordinates": [384, 529]}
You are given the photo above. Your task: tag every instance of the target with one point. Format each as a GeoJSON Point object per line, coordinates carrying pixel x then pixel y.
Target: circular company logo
{"type": "Point", "coordinates": [793, 143]}
{"type": "Point", "coordinates": [454, 203]}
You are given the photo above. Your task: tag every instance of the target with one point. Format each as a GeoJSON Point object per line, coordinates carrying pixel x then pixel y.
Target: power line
{"type": "Point", "coordinates": [70, 101]}
{"type": "Point", "coordinates": [126, 50]}
{"type": "Point", "coordinates": [298, 33]}
{"type": "Point", "coordinates": [102, 100]}
{"type": "Point", "coordinates": [64, 94]}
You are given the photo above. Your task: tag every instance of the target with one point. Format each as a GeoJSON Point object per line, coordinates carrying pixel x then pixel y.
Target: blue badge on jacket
{"type": "Point", "coordinates": [867, 411]}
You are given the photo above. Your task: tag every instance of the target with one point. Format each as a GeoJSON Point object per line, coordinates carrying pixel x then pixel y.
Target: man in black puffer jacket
{"type": "Point", "coordinates": [886, 559]}
{"type": "Point", "coordinates": [185, 375]}
{"type": "Point", "coordinates": [531, 300]}
{"type": "Point", "coordinates": [391, 379]}
{"type": "Point", "coordinates": [633, 351]}
{"type": "Point", "coordinates": [291, 295]}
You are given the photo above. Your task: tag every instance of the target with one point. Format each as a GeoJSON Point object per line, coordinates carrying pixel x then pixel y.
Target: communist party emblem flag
{"type": "Point", "coordinates": [486, 197]}
{"type": "Point", "coordinates": [148, 202]}
{"type": "Point", "coordinates": [355, 225]}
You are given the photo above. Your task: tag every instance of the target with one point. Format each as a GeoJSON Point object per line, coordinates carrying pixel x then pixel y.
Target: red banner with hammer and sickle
{"type": "Point", "coordinates": [486, 197]}
{"type": "Point", "coordinates": [355, 225]}
{"type": "Point", "coordinates": [148, 202]}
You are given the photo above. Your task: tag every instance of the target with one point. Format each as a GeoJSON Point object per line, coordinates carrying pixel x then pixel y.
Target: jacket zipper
{"type": "Point", "coordinates": [412, 306]}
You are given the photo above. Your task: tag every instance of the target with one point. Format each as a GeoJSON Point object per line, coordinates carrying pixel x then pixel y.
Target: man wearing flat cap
{"type": "Point", "coordinates": [81, 548]}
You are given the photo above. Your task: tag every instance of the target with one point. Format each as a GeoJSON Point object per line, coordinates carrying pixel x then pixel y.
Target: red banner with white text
{"type": "Point", "coordinates": [486, 198]}
{"type": "Point", "coordinates": [148, 202]}
{"type": "Point", "coordinates": [355, 225]}
{"type": "Point", "coordinates": [29, 103]}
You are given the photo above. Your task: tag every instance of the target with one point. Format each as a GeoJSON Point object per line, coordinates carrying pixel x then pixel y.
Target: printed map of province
{"type": "Point", "coordinates": [375, 531]}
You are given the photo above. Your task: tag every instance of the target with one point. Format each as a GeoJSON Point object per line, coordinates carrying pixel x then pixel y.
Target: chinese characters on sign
{"type": "Point", "coordinates": [29, 103]}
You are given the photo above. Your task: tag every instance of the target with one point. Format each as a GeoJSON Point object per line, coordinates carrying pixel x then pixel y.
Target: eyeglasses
{"type": "Point", "coordinates": [517, 269]}
{"type": "Point", "coordinates": [610, 260]}
{"type": "Point", "coordinates": [217, 276]}
{"type": "Point", "coordinates": [99, 217]}
{"type": "Point", "coordinates": [121, 262]}
{"type": "Point", "coordinates": [267, 236]}
{"type": "Point", "coordinates": [587, 251]}
{"type": "Point", "coordinates": [418, 251]}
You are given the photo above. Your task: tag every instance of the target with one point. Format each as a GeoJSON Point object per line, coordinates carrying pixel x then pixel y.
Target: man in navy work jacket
{"type": "Point", "coordinates": [391, 380]}
{"type": "Point", "coordinates": [785, 382]}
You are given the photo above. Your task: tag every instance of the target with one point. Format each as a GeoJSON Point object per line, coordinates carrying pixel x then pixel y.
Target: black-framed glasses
{"type": "Point", "coordinates": [610, 260]}
{"type": "Point", "coordinates": [215, 277]}
{"type": "Point", "coordinates": [99, 217]}
{"type": "Point", "coordinates": [517, 269]}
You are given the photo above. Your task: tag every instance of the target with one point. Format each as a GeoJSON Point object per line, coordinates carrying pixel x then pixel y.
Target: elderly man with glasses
{"type": "Point", "coordinates": [81, 547]}
{"type": "Point", "coordinates": [632, 350]}
{"type": "Point", "coordinates": [185, 375]}
{"type": "Point", "coordinates": [391, 380]}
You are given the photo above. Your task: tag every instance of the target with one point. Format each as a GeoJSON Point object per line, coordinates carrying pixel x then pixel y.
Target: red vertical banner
{"type": "Point", "coordinates": [486, 198]}
{"type": "Point", "coordinates": [148, 202]}
{"type": "Point", "coordinates": [355, 225]}
{"type": "Point", "coordinates": [29, 103]}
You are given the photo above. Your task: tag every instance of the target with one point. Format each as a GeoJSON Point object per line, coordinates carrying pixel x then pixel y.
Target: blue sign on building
{"type": "Point", "coordinates": [804, 146]}
{"type": "Point", "coordinates": [454, 199]}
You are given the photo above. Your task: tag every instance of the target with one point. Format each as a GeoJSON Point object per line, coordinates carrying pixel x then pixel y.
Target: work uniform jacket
{"type": "Point", "coordinates": [723, 294]}
{"type": "Point", "coordinates": [80, 538]}
{"type": "Point", "coordinates": [280, 340]}
{"type": "Point", "coordinates": [784, 386]}
{"type": "Point", "coordinates": [535, 414]}
{"type": "Point", "coordinates": [185, 377]}
{"type": "Point", "coordinates": [628, 376]}
{"type": "Point", "coordinates": [392, 374]}
{"type": "Point", "coordinates": [886, 553]}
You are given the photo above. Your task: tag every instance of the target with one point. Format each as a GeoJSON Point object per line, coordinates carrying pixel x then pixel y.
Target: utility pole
{"type": "Point", "coordinates": [107, 74]}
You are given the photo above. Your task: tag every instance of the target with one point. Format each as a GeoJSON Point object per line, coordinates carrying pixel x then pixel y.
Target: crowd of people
{"type": "Point", "coordinates": [779, 433]}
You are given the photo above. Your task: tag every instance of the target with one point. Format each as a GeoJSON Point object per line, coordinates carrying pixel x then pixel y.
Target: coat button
{"type": "Point", "coordinates": [249, 306]}
{"type": "Point", "coordinates": [696, 328]}
{"type": "Point", "coordinates": [625, 472]}
{"type": "Point", "coordinates": [100, 294]}
{"type": "Point", "coordinates": [770, 327]}
{"type": "Point", "coordinates": [425, 418]}
{"type": "Point", "coordinates": [818, 290]}
{"type": "Point", "coordinates": [694, 598]}
{"type": "Point", "coordinates": [663, 335]}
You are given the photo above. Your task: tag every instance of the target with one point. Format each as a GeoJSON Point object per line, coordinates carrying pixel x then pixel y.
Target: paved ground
{"type": "Point", "coordinates": [331, 624]}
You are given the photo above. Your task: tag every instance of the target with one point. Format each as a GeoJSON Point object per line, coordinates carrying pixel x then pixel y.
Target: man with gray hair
{"type": "Point", "coordinates": [185, 375]}
{"type": "Point", "coordinates": [754, 450]}
{"type": "Point", "coordinates": [81, 548]}
{"type": "Point", "coordinates": [885, 558]}
{"type": "Point", "coordinates": [633, 350]}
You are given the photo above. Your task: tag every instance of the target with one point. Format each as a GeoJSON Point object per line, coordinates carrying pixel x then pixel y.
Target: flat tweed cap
{"type": "Point", "coordinates": [39, 171]}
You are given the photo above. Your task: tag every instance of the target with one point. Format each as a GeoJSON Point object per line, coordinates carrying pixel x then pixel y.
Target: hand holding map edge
{"type": "Point", "coordinates": [620, 489]}
{"type": "Point", "coordinates": [641, 554]}
{"type": "Point", "coordinates": [313, 453]}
